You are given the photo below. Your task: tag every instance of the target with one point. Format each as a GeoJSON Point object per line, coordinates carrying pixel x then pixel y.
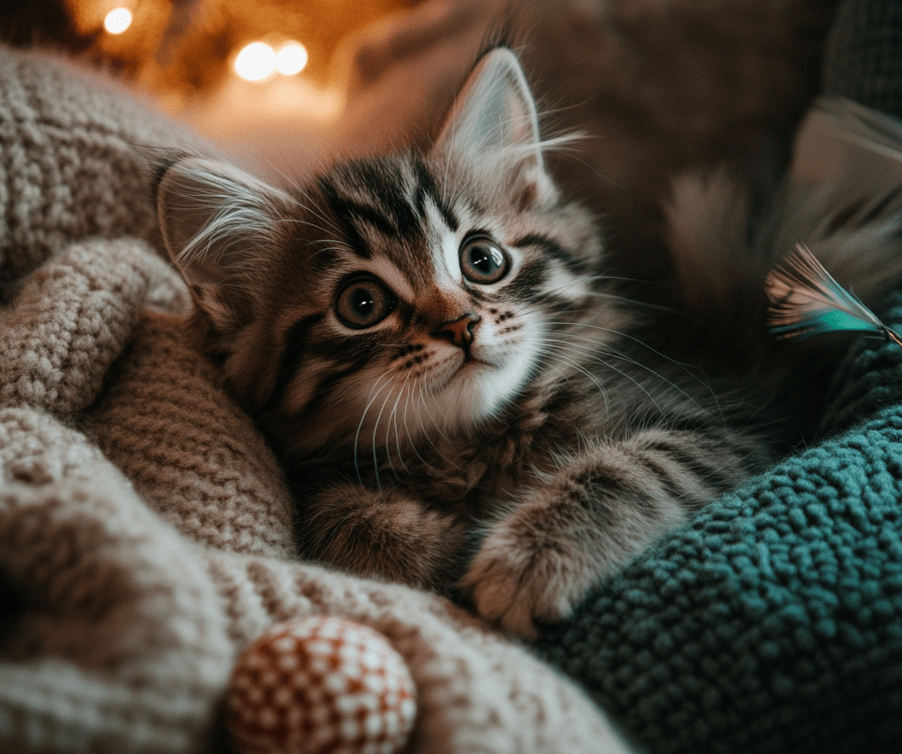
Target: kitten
{"type": "Point", "coordinates": [462, 398]}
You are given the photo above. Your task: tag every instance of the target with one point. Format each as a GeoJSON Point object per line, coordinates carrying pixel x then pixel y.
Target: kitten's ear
{"type": "Point", "coordinates": [217, 221]}
{"type": "Point", "coordinates": [493, 123]}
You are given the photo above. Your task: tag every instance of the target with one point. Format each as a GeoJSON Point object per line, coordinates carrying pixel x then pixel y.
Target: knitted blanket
{"type": "Point", "coordinates": [145, 528]}
{"type": "Point", "coordinates": [145, 532]}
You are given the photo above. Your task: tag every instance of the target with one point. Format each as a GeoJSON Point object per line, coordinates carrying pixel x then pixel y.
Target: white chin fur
{"type": "Point", "coordinates": [477, 390]}
{"type": "Point", "coordinates": [460, 395]}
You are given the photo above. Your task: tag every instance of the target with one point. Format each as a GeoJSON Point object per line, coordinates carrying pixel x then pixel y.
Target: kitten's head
{"type": "Point", "coordinates": [388, 298]}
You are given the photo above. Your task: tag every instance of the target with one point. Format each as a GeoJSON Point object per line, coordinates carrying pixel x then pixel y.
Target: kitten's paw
{"type": "Point", "coordinates": [515, 580]}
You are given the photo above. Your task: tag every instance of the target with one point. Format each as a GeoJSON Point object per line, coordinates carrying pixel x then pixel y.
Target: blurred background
{"type": "Point", "coordinates": [654, 86]}
{"type": "Point", "coordinates": [186, 48]}
{"type": "Point", "coordinates": [268, 81]}
{"type": "Point", "coordinates": [216, 62]}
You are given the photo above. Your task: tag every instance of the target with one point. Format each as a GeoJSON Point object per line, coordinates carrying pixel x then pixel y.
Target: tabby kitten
{"type": "Point", "coordinates": [461, 397]}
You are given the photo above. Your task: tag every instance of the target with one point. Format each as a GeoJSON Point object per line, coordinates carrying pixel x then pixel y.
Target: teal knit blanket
{"type": "Point", "coordinates": [773, 621]}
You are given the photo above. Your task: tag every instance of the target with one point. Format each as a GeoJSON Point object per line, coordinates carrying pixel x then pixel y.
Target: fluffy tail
{"type": "Point", "coordinates": [725, 238]}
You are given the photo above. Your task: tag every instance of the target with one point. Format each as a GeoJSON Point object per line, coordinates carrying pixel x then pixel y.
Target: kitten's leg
{"type": "Point", "coordinates": [384, 534]}
{"type": "Point", "coordinates": [540, 558]}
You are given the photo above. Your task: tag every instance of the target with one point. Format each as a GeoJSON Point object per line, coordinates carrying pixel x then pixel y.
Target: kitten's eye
{"type": "Point", "coordinates": [483, 261]}
{"type": "Point", "coordinates": [363, 302]}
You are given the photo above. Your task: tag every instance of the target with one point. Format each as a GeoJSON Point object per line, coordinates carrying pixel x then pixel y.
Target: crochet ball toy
{"type": "Point", "coordinates": [320, 685]}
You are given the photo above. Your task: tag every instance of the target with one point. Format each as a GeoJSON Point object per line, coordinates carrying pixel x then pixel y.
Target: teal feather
{"type": "Point", "coordinates": [805, 301]}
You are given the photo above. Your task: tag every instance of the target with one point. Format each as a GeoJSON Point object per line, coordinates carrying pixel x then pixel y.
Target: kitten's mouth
{"type": "Point", "coordinates": [466, 367]}
{"type": "Point", "coordinates": [471, 359]}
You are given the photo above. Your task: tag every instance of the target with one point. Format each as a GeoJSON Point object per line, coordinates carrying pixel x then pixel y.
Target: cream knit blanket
{"type": "Point", "coordinates": [145, 530]}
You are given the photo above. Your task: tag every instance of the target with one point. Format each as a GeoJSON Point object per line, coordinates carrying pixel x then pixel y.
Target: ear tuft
{"type": "Point", "coordinates": [217, 222]}
{"type": "Point", "coordinates": [494, 123]}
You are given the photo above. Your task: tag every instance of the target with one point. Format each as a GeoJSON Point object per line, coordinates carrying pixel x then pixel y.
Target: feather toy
{"type": "Point", "coordinates": [806, 301]}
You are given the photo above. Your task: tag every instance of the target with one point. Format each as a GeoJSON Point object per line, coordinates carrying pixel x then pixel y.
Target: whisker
{"type": "Point", "coordinates": [360, 427]}
{"type": "Point", "coordinates": [393, 417]}
{"type": "Point", "coordinates": [374, 444]}
{"type": "Point", "coordinates": [339, 249]}
{"type": "Point", "coordinates": [423, 431]}
{"type": "Point", "coordinates": [299, 221]}
{"type": "Point", "coordinates": [621, 334]}
{"type": "Point", "coordinates": [544, 304]}
{"type": "Point", "coordinates": [587, 373]}
{"type": "Point", "coordinates": [313, 210]}
{"type": "Point", "coordinates": [591, 351]}
{"type": "Point", "coordinates": [563, 356]}
{"type": "Point", "coordinates": [629, 377]}
{"type": "Point", "coordinates": [436, 427]}
{"type": "Point", "coordinates": [410, 437]}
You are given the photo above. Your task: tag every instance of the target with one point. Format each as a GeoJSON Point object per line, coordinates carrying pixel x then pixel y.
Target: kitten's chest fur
{"type": "Point", "coordinates": [478, 471]}
{"type": "Point", "coordinates": [471, 472]}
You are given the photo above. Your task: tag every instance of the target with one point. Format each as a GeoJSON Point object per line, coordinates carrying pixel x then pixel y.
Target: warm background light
{"type": "Point", "coordinates": [184, 51]}
{"type": "Point", "coordinates": [291, 59]}
{"type": "Point", "coordinates": [256, 61]}
{"type": "Point", "coordinates": [118, 20]}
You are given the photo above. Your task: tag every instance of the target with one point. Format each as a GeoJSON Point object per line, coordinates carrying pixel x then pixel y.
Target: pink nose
{"type": "Point", "coordinates": [460, 331]}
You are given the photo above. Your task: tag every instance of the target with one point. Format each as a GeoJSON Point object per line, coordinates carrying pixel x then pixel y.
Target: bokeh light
{"type": "Point", "coordinates": [117, 20]}
{"type": "Point", "coordinates": [256, 61]}
{"type": "Point", "coordinates": [291, 59]}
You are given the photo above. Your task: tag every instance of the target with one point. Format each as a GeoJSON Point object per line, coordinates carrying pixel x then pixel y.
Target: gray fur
{"type": "Point", "coordinates": [516, 470]}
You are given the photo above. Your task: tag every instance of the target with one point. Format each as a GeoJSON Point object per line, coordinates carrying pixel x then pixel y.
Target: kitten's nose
{"type": "Point", "coordinates": [460, 331]}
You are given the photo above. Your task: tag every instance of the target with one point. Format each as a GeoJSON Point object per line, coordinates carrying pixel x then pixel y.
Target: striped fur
{"type": "Point", "coordinates": [510, 441]}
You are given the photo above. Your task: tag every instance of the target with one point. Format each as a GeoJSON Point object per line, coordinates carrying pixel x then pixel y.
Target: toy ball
{"type": "Point", "coordinates": [319, 685]}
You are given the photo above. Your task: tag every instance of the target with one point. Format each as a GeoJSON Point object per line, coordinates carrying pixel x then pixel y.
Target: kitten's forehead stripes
{"type": "Point", "coordinates": [387, 185]}
{"type": "Point", "coordinates": [346, 210]}
{"type": "Point", "coordinates": [426, 187]}
{"type": "Point", "coordinates": [393, 200]}
{"type": "Point", "coordinates": [389, 212]}
{"type": "Point", "coordinates": [388, 196]}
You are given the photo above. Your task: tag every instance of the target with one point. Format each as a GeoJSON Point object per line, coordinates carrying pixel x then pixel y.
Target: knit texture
{"type": "Point", "coordinates": [145, 527]}
{"type": "Point", "coordinates": [773, 621]}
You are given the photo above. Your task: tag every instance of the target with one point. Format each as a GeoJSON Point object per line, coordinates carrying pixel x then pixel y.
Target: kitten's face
{"type": "Point", "coordinates": [431, 319]}
{"type": "Point", "coordinates": [389, 299]}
